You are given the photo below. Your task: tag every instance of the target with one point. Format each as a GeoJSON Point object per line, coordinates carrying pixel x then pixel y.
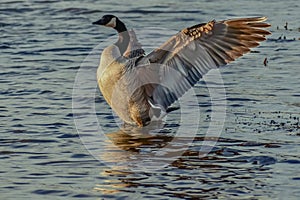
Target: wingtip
{"type": "Point", "coordinates": [263, 24]}
{"type": "Point", "coordinates": [262, 19]}
{"type": "Point", "coordinates": [248, 19]}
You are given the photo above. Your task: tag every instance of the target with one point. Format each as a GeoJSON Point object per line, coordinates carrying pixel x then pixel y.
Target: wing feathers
{"type": "Point", "coordinates": [191, 53]}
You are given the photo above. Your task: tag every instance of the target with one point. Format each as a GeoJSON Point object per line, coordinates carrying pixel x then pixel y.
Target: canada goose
{"type": "Point", "coordinates": [141, 87]}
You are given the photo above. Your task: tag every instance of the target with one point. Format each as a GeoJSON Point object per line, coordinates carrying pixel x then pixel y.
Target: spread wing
{"type": "Point", "coordinates": [191, 53]}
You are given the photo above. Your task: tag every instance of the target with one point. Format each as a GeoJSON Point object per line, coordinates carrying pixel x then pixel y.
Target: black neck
{"type": "Point", "coordinates": [124, 37]}
{"type": "Point", "coordinates": [120, 26]}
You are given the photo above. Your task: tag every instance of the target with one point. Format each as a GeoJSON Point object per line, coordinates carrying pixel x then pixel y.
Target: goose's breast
{"type": "Point", "coordinates": [116, 84]}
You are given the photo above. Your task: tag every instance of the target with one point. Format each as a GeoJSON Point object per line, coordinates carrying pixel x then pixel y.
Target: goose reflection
{"type": "Point", "coordinates": [133, 138]}
{"type": "Point", "coordinates": [152, 147]}
{"type": "Point", "coordinates": [127, 147]}
{"type": "Point", "coordinates": [130, 151]}
{"type": "Point", "coordinates": [132, 146]}
{"type": "Point", "coordinates": [125, 152]}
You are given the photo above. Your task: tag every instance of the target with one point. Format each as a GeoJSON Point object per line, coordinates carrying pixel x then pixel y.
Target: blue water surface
{"type": "Point", "coordinates": [44, 43]}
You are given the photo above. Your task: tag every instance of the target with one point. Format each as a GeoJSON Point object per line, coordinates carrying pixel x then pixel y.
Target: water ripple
{"type": "Point", "coordinates": [43, 44]}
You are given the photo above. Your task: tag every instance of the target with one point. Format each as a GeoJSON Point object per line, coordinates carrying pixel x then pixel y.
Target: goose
{"type": "Point", "coordinates": [142, 87]}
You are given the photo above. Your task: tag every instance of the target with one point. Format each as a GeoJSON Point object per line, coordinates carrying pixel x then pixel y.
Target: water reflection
{"type": "Point", "coordinates": [128, 149]}
{"type": "Point", "coordinates": [125, 152]}
{"type": "Point", "coordinates": [147, 148]}
{"type": "Point", "coordinates": [132, 138]}
{"type": "Point", "coordinates": [131, 152]}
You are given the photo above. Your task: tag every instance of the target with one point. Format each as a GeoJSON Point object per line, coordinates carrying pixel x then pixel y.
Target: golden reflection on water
{"type": "Point", "coordinates": [127, 148]}
{"type": "Point", "coordinates": [122, 152]}
{"type": "Point", "coordinates": [116, 180]}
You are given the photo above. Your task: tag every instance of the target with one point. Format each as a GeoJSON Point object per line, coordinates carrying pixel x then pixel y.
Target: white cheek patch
{"type": "Point", "coordinates": [112, 23]}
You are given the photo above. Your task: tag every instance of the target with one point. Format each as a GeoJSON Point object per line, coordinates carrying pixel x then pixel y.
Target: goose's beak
{"type": "Point", "coordinates": [99, 22]}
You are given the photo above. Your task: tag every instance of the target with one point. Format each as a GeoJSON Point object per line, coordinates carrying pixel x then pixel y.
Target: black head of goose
{"type": "Point", "coordinates": [115, 23]}
{"type": "Point", "coordinates": [138, 87]}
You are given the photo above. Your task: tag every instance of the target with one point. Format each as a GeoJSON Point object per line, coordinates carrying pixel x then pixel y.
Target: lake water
{"type": "Point", "coordinates": [45, 154]}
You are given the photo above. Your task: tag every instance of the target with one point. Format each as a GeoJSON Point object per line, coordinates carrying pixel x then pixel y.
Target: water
{"type": "Point", "coordinates": [43, 44]}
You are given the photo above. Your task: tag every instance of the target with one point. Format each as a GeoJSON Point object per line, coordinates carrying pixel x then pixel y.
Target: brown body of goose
{"type": "Point", "coordinates": [141, 87]}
